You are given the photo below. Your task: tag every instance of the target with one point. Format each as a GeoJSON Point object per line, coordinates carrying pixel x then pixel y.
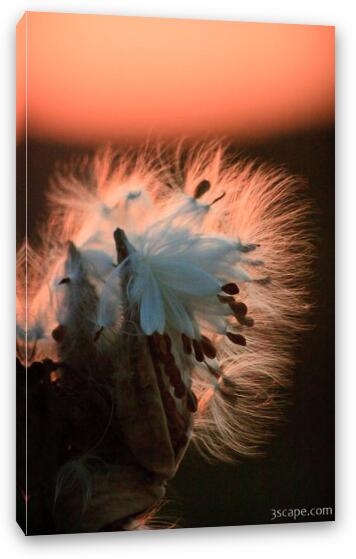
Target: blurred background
{"type": "Point", "coordinates": [266, 88]}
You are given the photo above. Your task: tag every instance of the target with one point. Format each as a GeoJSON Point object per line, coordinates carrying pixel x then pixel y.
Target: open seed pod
{"type": "Point", "coordinates": [170, 289]}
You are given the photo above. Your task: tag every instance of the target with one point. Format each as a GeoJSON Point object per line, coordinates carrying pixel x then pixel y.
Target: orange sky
{"type": "Point", "coordinates": [98, 78]}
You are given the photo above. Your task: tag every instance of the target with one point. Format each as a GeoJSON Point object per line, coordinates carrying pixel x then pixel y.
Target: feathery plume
{"type": "Point", "coordinates": [208, 274]}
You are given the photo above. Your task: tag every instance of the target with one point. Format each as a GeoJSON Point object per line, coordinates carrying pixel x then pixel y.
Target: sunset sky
{"type": "Point", "coordinates": [98, 78]}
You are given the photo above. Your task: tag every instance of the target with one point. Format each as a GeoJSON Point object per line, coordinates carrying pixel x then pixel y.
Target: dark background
{"type": "Point", "coordinates": [298, 468]}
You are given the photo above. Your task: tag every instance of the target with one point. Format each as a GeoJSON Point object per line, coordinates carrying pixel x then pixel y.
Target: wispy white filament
{"type": "Point", "coordinates": [249, 227]}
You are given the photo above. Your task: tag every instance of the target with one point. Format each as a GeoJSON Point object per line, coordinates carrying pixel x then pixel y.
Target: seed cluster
{"type": "Point", "coordinates": [164, 364]}
{"type": "Point", "coordinates": [238, 309]}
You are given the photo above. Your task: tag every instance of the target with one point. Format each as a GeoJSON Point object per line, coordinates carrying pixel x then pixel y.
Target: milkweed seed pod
{"type": "Point", "coordinates": [178, 278]}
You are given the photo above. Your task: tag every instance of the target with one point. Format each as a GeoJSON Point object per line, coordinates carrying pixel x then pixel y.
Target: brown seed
{"type": "Point", "coordinates": [164, 344]}
{"type": "Point", "coordinates": [202, 188]}
{"type": "Point", "coordinates": [248, 321]}
{"type": "Point", "coordinates": [173, 374]}
{"type": "Point", "coordinates": [168, 360]}
{"type": "Point", "coordinates": [230, 288]}
{"type": "Point", "coordinates": [199, 355]}
{"type": "Point", "coordinates": [175, 382]}
{"type": "Point", "coordinates": [168, 341]}
{"type": "Point", "coordinates": [153, 348]}
{"type": "Point", "coordinates": [238, 308]}
{"type": "Point", "coordinates": [207, 347]}
{"type": "Point", "coordinates": [236, 338]}
{"type": "Point", "coordinates": [159, 347]}
{"type": "Point", "coordinates": [156, 340]}
{"type": "Point", "coordinates": [192, 402]}
{"type": "Point", "coordinates": [58, 333]}
{"type": "Point", "coordinates": [187, 347]}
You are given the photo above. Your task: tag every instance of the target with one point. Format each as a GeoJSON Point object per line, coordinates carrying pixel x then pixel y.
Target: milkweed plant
{"type": "Point", "coordinates": [178, 278]}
